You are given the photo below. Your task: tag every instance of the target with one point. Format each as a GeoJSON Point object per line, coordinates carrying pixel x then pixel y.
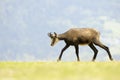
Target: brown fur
{"type": "Point", "coordinates": [80, 36]}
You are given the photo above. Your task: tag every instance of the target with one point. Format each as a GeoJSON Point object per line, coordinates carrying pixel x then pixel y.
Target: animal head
{"type": "Point", "coordinates": [54, 38]}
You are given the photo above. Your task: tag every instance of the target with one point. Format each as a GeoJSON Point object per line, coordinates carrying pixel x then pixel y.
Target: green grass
{"type": "Point", "coordinates": [59, 70]}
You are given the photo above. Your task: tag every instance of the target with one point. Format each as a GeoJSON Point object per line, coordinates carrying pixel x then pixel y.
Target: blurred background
{"type": "Point", "coordinates": [24, 25]}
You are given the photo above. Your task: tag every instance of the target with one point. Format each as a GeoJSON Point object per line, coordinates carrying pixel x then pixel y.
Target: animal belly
{"type": "Point", "coordinates": [84, 42]}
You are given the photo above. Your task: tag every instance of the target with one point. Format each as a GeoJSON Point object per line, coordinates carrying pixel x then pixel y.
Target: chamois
{"type": "Point", "coordinates": [79, 36]}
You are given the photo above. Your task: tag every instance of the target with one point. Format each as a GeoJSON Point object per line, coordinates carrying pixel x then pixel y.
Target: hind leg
{"type": "Point", "coordinates": [94, 49]}
{"type": "Point", "coordinates": [98, 43]}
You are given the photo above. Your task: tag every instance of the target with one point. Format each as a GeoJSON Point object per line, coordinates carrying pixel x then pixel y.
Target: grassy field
{"type": "Point", "coordinates": [59, 70]}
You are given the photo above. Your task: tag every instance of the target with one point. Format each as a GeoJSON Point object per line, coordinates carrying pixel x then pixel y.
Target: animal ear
{"type": "Point", "coordinates": [49, 34]}
{"type": "Point", "coordinates": [55, 34]}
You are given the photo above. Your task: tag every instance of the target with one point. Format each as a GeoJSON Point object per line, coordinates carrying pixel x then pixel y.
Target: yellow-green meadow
{"type": "Point", "coordinates": [60, 70]}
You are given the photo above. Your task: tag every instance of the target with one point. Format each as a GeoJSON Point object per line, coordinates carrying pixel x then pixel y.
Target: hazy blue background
{"type": "Point", "coordinates": [24, 25]}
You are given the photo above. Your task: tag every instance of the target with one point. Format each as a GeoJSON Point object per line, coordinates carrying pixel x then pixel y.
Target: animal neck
{"type": "Point", "coordinates": [61, 37]}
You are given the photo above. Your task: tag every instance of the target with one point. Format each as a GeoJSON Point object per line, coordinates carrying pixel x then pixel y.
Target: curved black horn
{"type": "Point", "coordinates": [55, 34]}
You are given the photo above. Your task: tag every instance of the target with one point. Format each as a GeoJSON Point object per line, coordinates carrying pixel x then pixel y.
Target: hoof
{"type": "Point", "coordinates": [111, 59]}
{"type": "Point", "coordinates": [58, 60]}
